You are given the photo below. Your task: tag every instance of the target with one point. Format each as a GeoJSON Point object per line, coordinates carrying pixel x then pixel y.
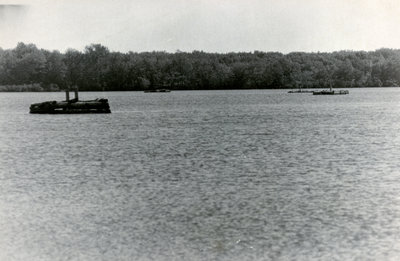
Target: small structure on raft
{"type": "Point", "coordinates": [70, 106]}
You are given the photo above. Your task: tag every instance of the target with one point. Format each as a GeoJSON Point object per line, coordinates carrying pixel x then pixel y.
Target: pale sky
{"type": "Point", "coordinates": [208, 25]}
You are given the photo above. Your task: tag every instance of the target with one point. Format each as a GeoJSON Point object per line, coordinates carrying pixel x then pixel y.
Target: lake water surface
{"type": "Point", "coordinates": [203, 175]}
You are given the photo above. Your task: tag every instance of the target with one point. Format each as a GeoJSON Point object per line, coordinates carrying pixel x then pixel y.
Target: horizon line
{"type": "Point", "coordinates": [201, 51]}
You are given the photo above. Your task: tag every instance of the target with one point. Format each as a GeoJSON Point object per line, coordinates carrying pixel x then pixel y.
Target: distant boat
{"type": "Point", "coordinates": [158, 90]}
{"type": "Point", "coordinates": [71, 106]}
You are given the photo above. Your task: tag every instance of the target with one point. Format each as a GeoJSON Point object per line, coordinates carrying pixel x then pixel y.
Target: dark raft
{"type": "Point", "coordinates": [70, 106]}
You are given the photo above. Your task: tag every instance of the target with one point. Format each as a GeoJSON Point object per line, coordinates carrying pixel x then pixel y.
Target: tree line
{"type": "Point", "coordinates": [96, 68]}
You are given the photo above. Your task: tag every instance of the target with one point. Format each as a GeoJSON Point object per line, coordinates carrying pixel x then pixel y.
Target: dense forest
{"type": "Point", "coordinates": [28, 68]}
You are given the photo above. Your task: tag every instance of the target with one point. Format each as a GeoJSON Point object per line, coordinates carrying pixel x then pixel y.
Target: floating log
{"type": "Point", "coordinates": [300, 91]}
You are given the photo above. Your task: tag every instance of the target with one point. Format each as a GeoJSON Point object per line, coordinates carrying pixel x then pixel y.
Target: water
{"type": "Point", "coordinates": [219, 175]}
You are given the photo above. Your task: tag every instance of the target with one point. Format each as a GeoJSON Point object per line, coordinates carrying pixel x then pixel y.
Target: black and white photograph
{"type": "Point", "coordinates": [191, 130]}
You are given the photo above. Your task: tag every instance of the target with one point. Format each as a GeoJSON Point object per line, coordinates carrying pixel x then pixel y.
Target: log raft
{"type": "Point", "coordinates": [70, 106]}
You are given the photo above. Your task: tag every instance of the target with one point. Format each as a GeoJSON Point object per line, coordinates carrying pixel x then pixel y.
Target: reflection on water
{"type": "Point", "coordinates": [226, 175]}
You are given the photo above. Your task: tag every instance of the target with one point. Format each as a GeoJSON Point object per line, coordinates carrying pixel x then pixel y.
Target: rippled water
{"type": "Point", "coordinates": [219, 175]}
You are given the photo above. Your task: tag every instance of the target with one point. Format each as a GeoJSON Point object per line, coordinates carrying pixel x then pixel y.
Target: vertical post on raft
{"type": "Point", "coordinates": [76, 93]}
{"type": "Point", "coordinates": [67, 94]}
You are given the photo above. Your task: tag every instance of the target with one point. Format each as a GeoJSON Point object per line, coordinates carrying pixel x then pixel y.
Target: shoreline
{"type": "Point", "coordinates": [179, 90]}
